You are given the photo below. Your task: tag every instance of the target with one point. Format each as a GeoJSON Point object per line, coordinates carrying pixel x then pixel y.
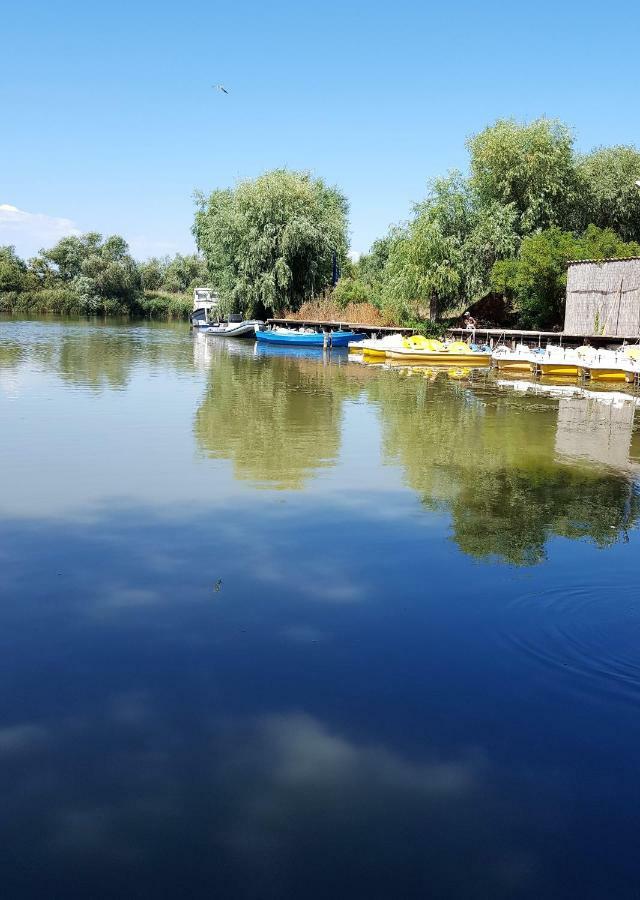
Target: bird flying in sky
{"type": "Point", "coordinates": [220, 87]}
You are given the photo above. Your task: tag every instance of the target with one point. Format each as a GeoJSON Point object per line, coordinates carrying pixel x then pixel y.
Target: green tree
{"type": "Point", "coordinates": [352, 289]}
{"type": "Point", "coordinates": [152, 273]}
{"type": "Point", "coordinates": [612, 196]}
{"type": "Point", "coordinates": [371, 265]}
{"type": "Point", "coordinates": [537, 279]}
{"type": "Point", "coordinates": [96, 270]}
{"type": "Point", "coordinates": [531, 166]}
{"type": "Point", "coordinates": [362, 281]}
{"type": "Point", "coordinates": [269, 243]}
{"type": "Point", "coordinates": [442, 260]}
{"type": "Point", "coordinates": [13, 271]}
{"type": "Point", "coordinates": [183, 272]}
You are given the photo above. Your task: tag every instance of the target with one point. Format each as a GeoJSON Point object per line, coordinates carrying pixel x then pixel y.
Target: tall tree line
{"type": "Point", "coordinates": [529, 204]}
{"type": "Point", "coordinates": [90, 274]}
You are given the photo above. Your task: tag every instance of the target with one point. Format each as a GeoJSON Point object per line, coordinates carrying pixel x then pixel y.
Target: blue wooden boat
{"type": "Point", "coordinates": [307, 338]}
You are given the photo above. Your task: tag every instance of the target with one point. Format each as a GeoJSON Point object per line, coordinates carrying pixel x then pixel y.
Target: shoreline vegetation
{"type": "Point", "coordinates": [496, 241]}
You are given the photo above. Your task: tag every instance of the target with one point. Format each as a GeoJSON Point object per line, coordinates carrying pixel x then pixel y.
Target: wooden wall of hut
{"type": "Point", "coordinates": [603, 298]}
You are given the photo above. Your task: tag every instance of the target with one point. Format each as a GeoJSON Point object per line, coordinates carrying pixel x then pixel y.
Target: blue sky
{"type": "Point", "coordinates": [110, 122]}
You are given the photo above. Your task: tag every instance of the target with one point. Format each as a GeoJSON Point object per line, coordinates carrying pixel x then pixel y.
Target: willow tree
{"type": "Point", "coordinates": [531, 166]}
{"type": "Point", "coordinates": [269, 243]}
{"type": "Point", "coordinates": [441, 260]}
{"type": "Point", "coordinates": [12, 270]}
{"type": "Point", "coordinates": [612, 196]}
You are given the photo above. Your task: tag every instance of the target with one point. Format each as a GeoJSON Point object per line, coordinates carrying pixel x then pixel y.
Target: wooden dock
{"type": "Point", "coordinates": [490, 335]}
{"type": "Point", "coordinates": [518, 335]}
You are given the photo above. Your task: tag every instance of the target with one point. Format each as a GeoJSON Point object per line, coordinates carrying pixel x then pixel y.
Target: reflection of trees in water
{"type": "Point", "coordinates": [11, 355]}
{"type": "Point", "coordinates": [97, 360]}
{"type": "Point", "coordinates": [512, 513]}
{"type": "Point", "coordinates": [107, 358]}
{"type": "Point", "coordinates": [100, 356]}
{"type": "Point", "coordinates": [489, 459]}
{"type": "Point", "coordinates": [278, 418]}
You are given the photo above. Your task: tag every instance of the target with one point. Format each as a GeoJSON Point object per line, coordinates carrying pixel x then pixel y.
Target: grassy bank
{"type": "Point", "coordinates": [64, 301]}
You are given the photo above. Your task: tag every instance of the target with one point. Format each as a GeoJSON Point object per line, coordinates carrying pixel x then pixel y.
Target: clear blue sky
{"type": "Point", "coordinates": [109, 121]}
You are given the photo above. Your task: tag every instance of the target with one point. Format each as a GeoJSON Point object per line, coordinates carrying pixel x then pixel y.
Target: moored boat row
{"type": "Point", "coordinates": [584, 362]}
{"type": "Point", "coordinates": [553, 361]}
{"type": "Point", "coordinates": [419, 349]}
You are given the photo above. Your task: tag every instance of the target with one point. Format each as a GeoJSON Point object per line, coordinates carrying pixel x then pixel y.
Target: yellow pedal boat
{"type": "Point", "coordinates": [433, 352]}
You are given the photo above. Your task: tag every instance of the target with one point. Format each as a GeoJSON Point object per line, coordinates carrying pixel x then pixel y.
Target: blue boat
{"type": "Point", "coordinates": [307, 338]}
{"type": "Point", "coordinates": [294, 351]}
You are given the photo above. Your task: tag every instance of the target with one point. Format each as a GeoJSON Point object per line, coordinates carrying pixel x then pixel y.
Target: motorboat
{"type": "Point", "coordinates": [206, 303]}
{"type": "Point", "coordinates": [306, 337]}
{"type": "Point", "coordinates": [430, 351]}
{"type": "Point", "coordinates": [234, 327]}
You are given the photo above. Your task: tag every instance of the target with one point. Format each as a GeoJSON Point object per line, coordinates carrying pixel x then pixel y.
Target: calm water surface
{"type": "Point", "coordinates": [279, 626]}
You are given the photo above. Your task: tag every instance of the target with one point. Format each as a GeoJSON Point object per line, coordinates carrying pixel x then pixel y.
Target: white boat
{"type": "Point", "coordinates": [376, 346]}
{"type": "Point", "coordinates": [517, 359]}
{"type": "Point", "coordinates": [206, 303]}
{"type": "Point", "coordinates": [556, 361]}
{"type": "Point", "coordinates": [609, 365]}
{"type": "Point", "coordinates": [232, 328]}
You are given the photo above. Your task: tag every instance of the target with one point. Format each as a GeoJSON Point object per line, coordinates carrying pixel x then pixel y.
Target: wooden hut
{"type": "Point", "coordinates": [603, 298]}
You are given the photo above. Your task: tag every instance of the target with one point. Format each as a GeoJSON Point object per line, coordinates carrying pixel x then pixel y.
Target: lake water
{"type": "Point", "coordinates": [286, 626]}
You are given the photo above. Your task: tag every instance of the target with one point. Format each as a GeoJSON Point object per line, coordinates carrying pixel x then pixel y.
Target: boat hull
{"type": "Point", "coordinates": [559, 370]}
{"type": "Point", "coordinates": [431, 358]}
{"type": "Point", "coordinates": [374, 354]}
{"type": "Point", "coordinates": [329, 339]}
{"type": "Point", "coordinates": [239, 329]}
{"type": "Point", "coordinates": [604, 374]}
{"type": "Point", "coordinates": [368, 348]}
{"type": "Point", "coordinates": [514, 365]}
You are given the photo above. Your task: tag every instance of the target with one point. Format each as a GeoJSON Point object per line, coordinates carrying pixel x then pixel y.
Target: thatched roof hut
{"type": "Point", "coordinates": [603, 298]}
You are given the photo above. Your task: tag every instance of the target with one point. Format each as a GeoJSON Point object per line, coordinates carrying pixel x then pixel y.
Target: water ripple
{"type": "Point", "coordinates": [588, 632]}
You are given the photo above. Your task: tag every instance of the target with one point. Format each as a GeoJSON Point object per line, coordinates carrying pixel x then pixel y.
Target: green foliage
{"type": "Point", "coordinates": [88, 275]}
{"type": "Point", "coordinates": [370, 266]}
{"type": "Point", "coordinates": [268, 243]}
{"type": "Point", "coordinates": [352, 290]}
{"type": "Point", "coordinates": [612, 196]}
{"type": "Point", "coordinates": [173, 276]}
{"type": "Point", "coordinates": [424, 270]}
{"type": "Point", "coordinates": [512, 225]}
{"type": "Point", "coordinates": [13, 271]}
{"type": "Point", "coordinates": [183, 273]}
{"type": "Point", "coordinates": [530, 166]}
{"type": "Point", "coordinates": [441, 261]}
{"type": "Point", "coordinates": [99, 272]}
{"type": "Point", "coordinates": [537, 279]}
{"type": "Point", "coordinates": [159, 305]}
{"type": "Point", "coordinates": [152, 273]}
{"type": "Point", "coordinates": [362, 281]}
